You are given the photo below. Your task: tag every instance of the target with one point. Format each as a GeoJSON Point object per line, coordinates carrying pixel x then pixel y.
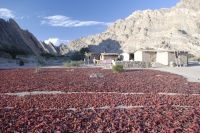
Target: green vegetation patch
{"type": "Point", "coordinates": [117, 68]}
{"type": "Point", "coordinates": [73, 63]}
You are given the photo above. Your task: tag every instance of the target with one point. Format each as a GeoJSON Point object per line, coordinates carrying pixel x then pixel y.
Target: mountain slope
{"type": "Point", "coordinates": [177, 28]}
{"type": "Point", "coordinates": [14, 40]}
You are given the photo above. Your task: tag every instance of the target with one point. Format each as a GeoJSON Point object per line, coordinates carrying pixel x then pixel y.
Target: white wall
{"type": "Point", "coordinates": [145, 56]}
{"type": "Point", "coordinates": [166, 57]}
{"type": "Point", "coordinates": [162, 58]}
{"type": "Point", "coordinates": [138, 56]}
{"type": "Point", "coordinates": [126, 56]}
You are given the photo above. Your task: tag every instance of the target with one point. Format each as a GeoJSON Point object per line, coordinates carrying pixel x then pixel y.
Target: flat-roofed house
{"type": "Point", "coordinates": [145, 55]}
{"type": "Point", "coordinates": [109, 56]}
{"type": "Point", "coordinates": [125, 56]}
{"type": "Point", "coordinates": [164, 57]}
{"type": "Point", "coordinates": [89, 57]}
{"type": "Point", "coordinates": [170, 56]}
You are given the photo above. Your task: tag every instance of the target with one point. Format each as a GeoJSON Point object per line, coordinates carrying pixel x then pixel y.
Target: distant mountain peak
{"type": "Point", "coordinates": [189, 4]}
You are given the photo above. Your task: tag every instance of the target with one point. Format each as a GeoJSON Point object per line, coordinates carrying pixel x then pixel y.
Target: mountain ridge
{"type": "Point", "coordinates": [176, 28]}
{"type": "Point", "coordinates": [14, 40]}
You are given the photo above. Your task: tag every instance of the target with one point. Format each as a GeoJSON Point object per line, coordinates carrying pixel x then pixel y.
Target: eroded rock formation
{"type": "Point", "coordinates": [176, 28]}
{"type": "Point", "coordinates": [14, 40]}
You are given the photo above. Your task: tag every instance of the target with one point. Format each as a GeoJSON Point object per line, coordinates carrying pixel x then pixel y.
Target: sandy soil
{"type": "Point", "coordinates": [192, 73]}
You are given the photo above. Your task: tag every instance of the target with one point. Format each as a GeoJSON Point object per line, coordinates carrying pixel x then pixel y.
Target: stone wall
{"type": "Point", "coordinates": [133, 64]}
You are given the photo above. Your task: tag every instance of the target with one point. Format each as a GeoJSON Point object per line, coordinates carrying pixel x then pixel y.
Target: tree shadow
{"type": "Point", "coordinates": [107, 46]}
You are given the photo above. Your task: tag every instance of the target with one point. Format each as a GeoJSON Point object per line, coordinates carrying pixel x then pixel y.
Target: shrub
{"type": "Point", "coordinates": [40, 61]}
{"type": "Point", "coordinates": [47, 55]}
{"type": "Point", "coordinates": [21, 63]}
{"type": "Point", "coordinates": [77, 56]}
{"type": "Point", "coordinates": [192, 57]}
{"type": "Point", "coordinates": [117, 68]}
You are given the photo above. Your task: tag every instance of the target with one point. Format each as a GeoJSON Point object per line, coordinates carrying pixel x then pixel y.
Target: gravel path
{"type": "Point", "coordinates": [120, 107]}
{"type": "Point", "coordinates": [21, 94]}
{"type": "Point", "coordinates": [192, 73]}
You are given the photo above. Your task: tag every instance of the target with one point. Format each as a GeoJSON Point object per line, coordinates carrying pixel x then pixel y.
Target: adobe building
{"type": "Point", "coordinates": [177, 57]}
{"type": "Point", "coordinates": [164, 57]}
{"type": "Point", "coordinates": [145, 55]}
{"type": "Point", "coordinates": [126, 56]}
{"type": "Point", "coordinates": [109, 56]}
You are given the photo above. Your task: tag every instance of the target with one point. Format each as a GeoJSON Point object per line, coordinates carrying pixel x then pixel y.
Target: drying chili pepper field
{"type": "Point", "coordinates": [93, 100]}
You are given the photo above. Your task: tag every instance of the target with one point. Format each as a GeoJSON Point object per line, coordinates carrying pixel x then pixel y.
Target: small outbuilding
{"type": "Point", "coordinates": [89, 57]}
{"type": "Point", "coordinates": [109, 56]}
{"type": "Point", "coordinates": [178, 58]}
{"type": "Point", "coordinates": [126, 56]}
{"type": "Point", "coordinates": [145, 55]}
{"type": "Point", "coordinates": [164, 57]}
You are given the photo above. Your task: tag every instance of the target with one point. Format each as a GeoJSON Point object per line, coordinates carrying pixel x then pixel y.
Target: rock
{"type": "Point", "coordinates": [49, 48]}
{"type": "Point", "coordinates": [96, 75]}
{"type": "Point", "coordinates": [11, 37]}
{"type": "Point", "coordinates": [176, 28]}
{"type": "Point", "coordinates": [63, 49]}
{"type": "Point", "coordinates": [190, 4]}
{"type": "Point", "coordinates": [15, 40]}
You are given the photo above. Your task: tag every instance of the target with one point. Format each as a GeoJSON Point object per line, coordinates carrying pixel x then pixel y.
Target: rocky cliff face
{"type": "Point", "coordinates": [15, 40]}
{"type": "Point", "coordinates": [177, 28]}
{"type": "Point", "coordinates": [49, 48]}
{"type": "Point", "coordinates": [189, 4]}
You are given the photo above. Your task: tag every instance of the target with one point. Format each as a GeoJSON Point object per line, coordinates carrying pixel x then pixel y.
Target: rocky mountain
{"type": "Point", "coordinates": [176, 28]}
{"type": "Point", "coordinates": [49, 48]}
{"type": "Point", "coordinates": [14, 40]}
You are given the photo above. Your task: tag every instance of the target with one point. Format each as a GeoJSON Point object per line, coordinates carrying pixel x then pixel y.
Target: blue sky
{"type": "Point", "coordinates": [62, 20]}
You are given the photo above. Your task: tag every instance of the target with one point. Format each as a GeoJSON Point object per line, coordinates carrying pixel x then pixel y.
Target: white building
{"type": "Point", "coordinates": [125, 56]}
{"type": "Point", "coordinates": [176, 57]}
{"type": "Point", "coordinates": [145, 55]}
{"type": "Point", "coordinates": [109, 56]}
{"type": "Point", "coordinates": [164, 57]}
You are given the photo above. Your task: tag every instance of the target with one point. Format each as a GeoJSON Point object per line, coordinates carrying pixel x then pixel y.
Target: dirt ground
{"type": "Point", "coordinates": [192, 73]}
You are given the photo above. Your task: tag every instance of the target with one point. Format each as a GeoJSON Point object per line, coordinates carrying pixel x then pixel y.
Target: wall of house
{"type": "Point", "coordinates": [109, 57]}
{"type": "Point", "coordinates": [149, 56]}
{"type": "Point", "coordinates": [138, 56]}
{"type": "Point", "coordinates": [146, 56]}
{"type": "Point", "coordinates": [126, 56]}
{"type": "Point", "coordinates": [162, 58]}
{"type": "Point", "coordinates": [152, 56]}
{"type": "Point", "coordinates": [172, 57]}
